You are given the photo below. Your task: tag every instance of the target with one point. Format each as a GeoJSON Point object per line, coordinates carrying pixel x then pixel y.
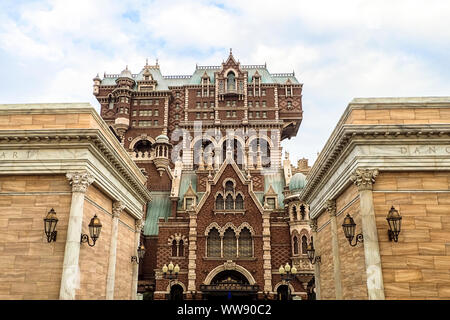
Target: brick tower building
{"type": "Point", "coordinates": [225, 206]}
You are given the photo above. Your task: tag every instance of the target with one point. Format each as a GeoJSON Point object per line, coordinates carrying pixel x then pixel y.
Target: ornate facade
{"type": "Point", "coordinates": [225, 206]}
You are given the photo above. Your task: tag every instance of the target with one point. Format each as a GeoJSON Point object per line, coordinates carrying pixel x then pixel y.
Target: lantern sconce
{"type": "Point", "coordinates": [394, 220]}
{"type": "Point", "coordinates": [50, 222]}
{"type": "Point", "coordinates": [170, 272]}
{"type": "Point", "coordinates": [349, 226]}
{"type": "Point", "coordinates": [311, 254]}
{"type": "Point", "coordinates": [140, 254]}
{"type": "Point", "coordinates": [94, 229]}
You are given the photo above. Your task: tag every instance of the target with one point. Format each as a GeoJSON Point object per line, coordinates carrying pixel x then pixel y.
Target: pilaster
{"type": "Point", "coordinates": [70, 278]}
{"type": "Point", "coordinates": [331, 208]}
{"type": "Point", "coordinates": [364, 180]}
{"type": "Point", "coordinates": [117, 209]}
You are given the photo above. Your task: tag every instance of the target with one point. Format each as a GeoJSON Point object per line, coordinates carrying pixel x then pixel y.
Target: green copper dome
{"type": "Point", "coordinates": [162, 138]}
{"type": "Point", "coordinates": [298, 182]}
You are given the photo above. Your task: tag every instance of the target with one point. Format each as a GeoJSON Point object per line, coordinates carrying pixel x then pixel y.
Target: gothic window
{"type": "Point", "coordinates": [304, 244]}
{"type": "Point", "coordinates": [271, 203]}
{"type": "Point", "coordinates": [229, 186]}
{"type": "Point", "coordinates": [174, 248]}
{"type": "Point", "coordinates": [213, 243]}
{"type": "Point", "coordinates": [294, 212]}
{"type": "Point", "coordinates": [302, 211]}
{"type": "Point", "coordinates": [245, 243]}
{"type": "Point", "coordinates": [189, 202]}
{"type": "Point", "coordinates": [231, 81]}
{"type": "Point", "coordinates": [219, 202]}
{"type": "Point", "coordinates": [295, 243]}
{"type": "Point", "coordinates": [229, 243]}
{"type": "Point", "coordinates": [239, 202]}
{"type": "Point", "coordinates": [181, 249]}
{"type": "Point", "coordinates": [229, 203]}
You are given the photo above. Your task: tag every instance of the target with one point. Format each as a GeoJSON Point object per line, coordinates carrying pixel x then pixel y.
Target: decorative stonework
{"type": "Point", "coordinates": [139, 224]}
{"type": "Point", "coordinates": [330, 206]}
{"type": "Point", "coordinates": [364, 178]}
{"type": "Point", "coordinates": [117, 209]}
{"type": "Point", "coordinates": [80, 181]}
{"type": "Point", "coordinates": [313, 225]}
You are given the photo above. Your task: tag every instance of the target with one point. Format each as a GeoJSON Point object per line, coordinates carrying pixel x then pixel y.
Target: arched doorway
{"type": "Point", "coordinates": [176, 292]}
{"type": "Point", "coordinates": [229, 285]}
{"type": "Point", "coordinates": [283, 292]}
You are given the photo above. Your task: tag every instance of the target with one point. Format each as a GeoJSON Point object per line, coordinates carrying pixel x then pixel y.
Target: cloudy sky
{"type": "Point", "coordinates": [50, 50]}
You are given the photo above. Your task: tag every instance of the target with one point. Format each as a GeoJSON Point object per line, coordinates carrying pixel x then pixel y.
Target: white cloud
{"type": "Point", "coordinates": [339, 50]}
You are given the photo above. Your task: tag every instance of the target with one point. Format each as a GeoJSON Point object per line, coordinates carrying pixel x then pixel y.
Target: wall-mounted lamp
{"type": "Point", "coordinates": [140, 254]}
{"type": "Point", "coordinates": [394, 220]}
{"type": "Point", "coordinates": [311, 254]}
{"type": "Point", "coordinates": [50, 222]}
{"type": "Point", "coordinates": [94, 230]}
{"type": "Point", "coordinates": [349, 226]}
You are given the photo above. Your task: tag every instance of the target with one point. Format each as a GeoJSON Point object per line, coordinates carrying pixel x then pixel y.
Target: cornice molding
{"type": "Point", "coordinates": [346, 137]}
{"type": "Point", "coordinates": [92, 139]}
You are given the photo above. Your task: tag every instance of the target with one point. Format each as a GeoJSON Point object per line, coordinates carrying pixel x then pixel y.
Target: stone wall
{"type": "Point", "coordinates": [353, 271]}
{"type": "Point", "coordinates": [30, 266]}
{"type": "Point", "coordinates": [126, 248]}
{"type": "Point", "coordinates": [327, 287]}
{"type": "Point", "coordinates": [93, 261]}
{"type": "Point", "coordinates": [417, 266]}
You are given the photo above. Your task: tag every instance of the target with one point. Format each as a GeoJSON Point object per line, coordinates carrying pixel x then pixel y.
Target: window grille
{"type": "Point", "coordinates": [229, 243]}
{"type": "Point", "coordinates": [245, 243]}
{"type": "Point", "coordinates": [213, 243]}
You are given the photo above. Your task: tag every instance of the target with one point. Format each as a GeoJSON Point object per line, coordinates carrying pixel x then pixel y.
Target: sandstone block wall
{"type": "Point", "coordinates": [417, 266]}
{"type": "Point", "coordinates": [30, 266]}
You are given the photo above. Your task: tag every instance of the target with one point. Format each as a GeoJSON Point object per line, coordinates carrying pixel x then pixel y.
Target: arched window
{"type": "Point", "coordinates": [294, 212]}
{"type": "Point", "coordinates": [143, 146]}
{"type": "Point", "coordinates": [295, 245]}
{"type": "Point", "coordinates": [239, 202]}
{"type": "Point", "coordinates": [213, 243]}
{"type": "Point", "coordinates": [229, 203]}
{"type": "Point", "coordinates": [181, 249]}
{"type": "Point", "coordinates": [229, 186]}
{"type": "Point", "coordinates": [174, 248]}
{"type": "Point", "coordinates": [231, 81]}
{"type": "Point", "coordinates": [219, 202]}
{"type": "Point", "coordinates": [229, 243]}
{"type": "Point", "coordinates": [304, 244]}
{"type": "Point", "coordinates": [302, 211]}
{"type": "Point", "coordinates": [245, 243]}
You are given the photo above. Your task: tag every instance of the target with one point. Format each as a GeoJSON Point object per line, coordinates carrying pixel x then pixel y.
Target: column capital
{"type": "Point", "coordinates": [330, 206]}
{"type": "Point", "coordinates": [80, 181]}
{"type": "Point", "coordinates": [139, 224]}
{"type": "Point", "coordinates": [364, 178]}
{"type": "Point", "coordinates": [313, 225]}
{"type": "Point", "coordinates": [117, 209]}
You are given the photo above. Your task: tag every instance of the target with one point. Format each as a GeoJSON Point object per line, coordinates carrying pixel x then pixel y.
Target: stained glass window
{"type": "Point", "coordinates": [245, 243]}
{"type": "Point", "coordinates": [213, 243]}
{"type": "Point", "coordinates": [229, 243]}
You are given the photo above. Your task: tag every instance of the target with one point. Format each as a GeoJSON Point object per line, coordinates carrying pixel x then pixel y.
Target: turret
{"type": "Point", "coordinates": [162, 153]}
{"type": "Point", "coordinates": [97, 81]}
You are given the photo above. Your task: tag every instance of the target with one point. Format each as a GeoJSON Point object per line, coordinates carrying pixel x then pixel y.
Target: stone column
{"type": "Point", "coordinates": [313, 225]}
{"type": "Point", "coordinates": [192, 250]}
{"type": "Point", "coordinates": [139, 224]}
{"type": "Point", "coordinates": [111, 276]}
{"type": "Point", "coordinates": [267, 258]}
{"type": "Point", "coordinates": [331, 208]}
{"type": "Point", "coordinates": [70, 279]}
{"type": "Point", "coordinates": [364, 179]}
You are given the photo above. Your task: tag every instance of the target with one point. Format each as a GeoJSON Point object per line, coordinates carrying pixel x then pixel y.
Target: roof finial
{"type": "Point", "coordinates": [126, 68]}
{"type": "Point", "coordinates": [156, 61]}
{"type": "Point", "coordinates": [231, 51]}
{"type": "Point", "coordinates": [146, 62]}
